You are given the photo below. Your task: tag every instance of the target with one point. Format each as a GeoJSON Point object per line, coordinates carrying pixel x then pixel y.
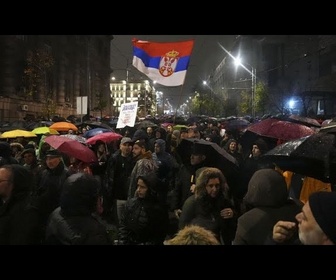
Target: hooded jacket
{"type": "Point", "coordinates": [143, 166]}
{"type": "Point", "coordinates": [267, 202]}
{"type": "Point", "coordinates": [145, 220]}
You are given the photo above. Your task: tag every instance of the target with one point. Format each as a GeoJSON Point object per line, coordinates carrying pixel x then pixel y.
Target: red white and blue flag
{"type": "Point", "coordinates": [164, 63]}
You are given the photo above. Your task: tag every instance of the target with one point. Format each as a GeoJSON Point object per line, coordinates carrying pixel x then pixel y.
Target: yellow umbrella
{"type": "Point", "coordinates": [17, 133]}
{"type": "Point", "coordinates": [44, 130]}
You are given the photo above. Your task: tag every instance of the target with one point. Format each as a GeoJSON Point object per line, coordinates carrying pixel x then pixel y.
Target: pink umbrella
{"type": "Point", "coordinates": [71, 148]}
{"type": "Point", "coordinates": [106, 137]}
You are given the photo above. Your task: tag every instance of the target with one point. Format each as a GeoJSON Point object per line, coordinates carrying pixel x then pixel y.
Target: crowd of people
{"type": "Point", "coordinates": [141, 191]}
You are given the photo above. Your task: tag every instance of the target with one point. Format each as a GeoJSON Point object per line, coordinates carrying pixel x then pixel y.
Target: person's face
{"type": "Point", "coordinates": [196, 159]}
{"type": "Point", "coordinates": [184, 135]}
{"type": "Point", "coordinates": [125, 149]}
{"type": "Point", "coordinates": [137, 150]}
{"type": "Point", "coordinates": [157, 148]}
{"type": "Point", "coordinates": [101, 148]}
{"type": "Point", "coordinates": [149, 130]}
{"type": "Point", "coordinates": [197, 135]}
{"type": "Point", "coordinates": [6, 184]}
{"type": "Point", "coordinates": [255, 151]}
{"type": "Point", "coordinates": [212, 187]}
{"type": "Point", "coordinates": [310, 232]}
{"type": "Point", "coordinates": [28, 158]}
{"type": "Point", "coordinates": [191, 133]}
{"type": "Point", "coordinates": [233, 146]}
{"type": "Point", "coordinates": [52, 162]}
{"type": "Point", "coordinates": [141, 188]}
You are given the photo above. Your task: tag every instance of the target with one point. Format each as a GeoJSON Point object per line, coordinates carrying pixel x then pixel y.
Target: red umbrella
{"type": "Point", "coordinates": [106, 137]}
{"type": "Point", "coordinates": [280, 129]}
{"type": "Point", "coordinates": [71, 148]}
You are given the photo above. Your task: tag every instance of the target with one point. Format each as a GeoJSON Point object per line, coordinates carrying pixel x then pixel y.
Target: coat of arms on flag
{"type": "Point", "coordinates": [165, 63]}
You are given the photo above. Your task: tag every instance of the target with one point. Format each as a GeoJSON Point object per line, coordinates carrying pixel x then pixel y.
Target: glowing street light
{"type": "Point", "coordinates": [237, 61]}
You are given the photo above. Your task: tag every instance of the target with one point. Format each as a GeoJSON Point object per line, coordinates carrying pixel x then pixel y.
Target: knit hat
{"type": "Point", "coordinates": [323, 207]}
{"type": "Point", "coordinates": [262, 145]}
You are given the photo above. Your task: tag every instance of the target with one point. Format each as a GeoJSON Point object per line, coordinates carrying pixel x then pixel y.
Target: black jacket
{"type": "Point", "coordinates": [75, 230]}
{"type": "Point", "coordinates": [145, 221]}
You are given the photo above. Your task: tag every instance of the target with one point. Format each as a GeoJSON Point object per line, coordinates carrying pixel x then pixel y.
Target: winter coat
{"type": "Point", "coordinates": [144, 222]}
{"type": "Point", "coordinates": [118, 174]}
{"type": "Point", "coordinates": [143, 166]}
{"type": "Point", "coordinates": [19, 220]}
{"type": "Point", "coordinates": [49, 189]}
{"type": "Point", "coordinates": [267, 202]}
{"type": "Point", "coordinates": [75, 230]}
{"type": "Point", "coordinates": [186, 176]}
{"type": "Point", "coordinates": [205, 211]}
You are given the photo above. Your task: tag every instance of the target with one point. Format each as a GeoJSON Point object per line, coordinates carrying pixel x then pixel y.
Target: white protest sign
{"type": "Point", "coordinates": [127, 115]}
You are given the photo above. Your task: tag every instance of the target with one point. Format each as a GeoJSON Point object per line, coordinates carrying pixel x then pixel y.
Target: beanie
{"type": "Point", "coordinates": [262, 145]}
{"type": "Point", "coordinates": [323, 207]}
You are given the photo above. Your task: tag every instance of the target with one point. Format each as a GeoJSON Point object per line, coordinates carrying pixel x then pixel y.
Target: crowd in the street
{"type": "Point", "coordinates": [144, 189]}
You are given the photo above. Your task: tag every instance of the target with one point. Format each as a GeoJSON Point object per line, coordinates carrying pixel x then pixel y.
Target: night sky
{"type": "Point", "coordinates": [205, 57]}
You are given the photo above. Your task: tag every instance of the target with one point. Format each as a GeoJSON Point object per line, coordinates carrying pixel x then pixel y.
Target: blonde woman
{"type": "Point", "coordinates": [210, 206]}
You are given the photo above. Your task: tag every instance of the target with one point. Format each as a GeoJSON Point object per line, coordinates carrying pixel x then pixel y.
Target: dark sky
{"type": "Point", "coordinates": [206, 55]}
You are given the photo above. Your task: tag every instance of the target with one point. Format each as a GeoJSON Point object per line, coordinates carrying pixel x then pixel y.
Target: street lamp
{"type": "Point", "coordinates": [253, 72]}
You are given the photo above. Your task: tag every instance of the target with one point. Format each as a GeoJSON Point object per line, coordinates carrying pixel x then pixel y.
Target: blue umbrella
{"type": "Point", "coordinates": [95, 131]}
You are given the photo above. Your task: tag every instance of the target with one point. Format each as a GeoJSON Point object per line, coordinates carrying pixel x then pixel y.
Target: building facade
{"type": "Point", "coordinates": [42, 75]}
{"type": "Point", "coordinates": [142, 92]}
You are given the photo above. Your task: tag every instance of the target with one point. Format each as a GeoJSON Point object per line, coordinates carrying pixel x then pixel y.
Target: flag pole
{"type": "Point", "coordinates": [179, 103]}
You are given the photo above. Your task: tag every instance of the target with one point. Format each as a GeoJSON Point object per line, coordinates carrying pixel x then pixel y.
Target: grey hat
{"type": "Point", "coordinates": [125, 140]}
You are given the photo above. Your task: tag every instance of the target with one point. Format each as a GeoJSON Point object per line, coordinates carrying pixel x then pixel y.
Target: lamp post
{"type": "Point", "coordinates": [253, 73]}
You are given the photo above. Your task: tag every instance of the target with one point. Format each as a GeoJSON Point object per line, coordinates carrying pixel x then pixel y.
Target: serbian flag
{"type": "Point", "coordinates": [165, 63]}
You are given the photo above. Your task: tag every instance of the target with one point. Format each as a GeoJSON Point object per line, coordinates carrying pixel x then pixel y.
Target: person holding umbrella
{"type": "Point", "coordinates": [185, 180]}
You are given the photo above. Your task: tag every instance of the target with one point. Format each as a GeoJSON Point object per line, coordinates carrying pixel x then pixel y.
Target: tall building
{"type": "Point", "coordinates": [135, 91]}
{"type": "Point", "coordinates": [42, 75]}
{"type": "Point", "coordinates": [298, 70]}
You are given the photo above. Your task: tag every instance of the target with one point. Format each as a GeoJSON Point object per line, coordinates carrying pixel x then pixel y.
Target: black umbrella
{"type": "Point", "coordinates": [144, 124]}
{"type": "Point", "coordinates": [216, 156]}
{"type": "Point", "coordinates": [313, 156]}
{"type": "Point", "coordinates": [237, 124]}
